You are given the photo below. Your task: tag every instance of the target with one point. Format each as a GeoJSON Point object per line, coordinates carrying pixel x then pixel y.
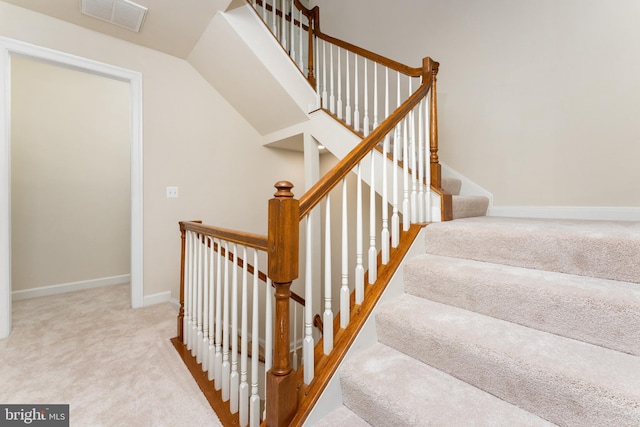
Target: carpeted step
{"type": "Point", "coordinates": [388, 388]}
{"type": "Point", "coordinates": [451, 185]}
{"type": "Point", "coordinates": [565, 381]}
{"type": "Point", "coordinates": [603, 249]}
{"type": "Point", "coordinates": [597, 311]}
{"type": "Point", "coordinates": [341, 417]}
{"type": "Point", "coordinates": [469, 206]}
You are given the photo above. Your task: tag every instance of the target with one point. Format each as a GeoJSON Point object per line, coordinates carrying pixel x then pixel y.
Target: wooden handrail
{"type": "Point", "coordinates": [246, 239]}
{"type": "Point", "coordinates": [251, 240]}
{"type": "Point", "coordinates": [317, 193]}
{"type": "Point", "coordinates": [314, 15]}
{"type": "Point", "coordinates": [383, 60]}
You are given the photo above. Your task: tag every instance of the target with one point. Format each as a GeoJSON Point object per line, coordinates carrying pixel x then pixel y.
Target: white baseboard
{"type": "Point", "coordinates": [568, 212]}
{"type": "Point", "coordinates": [157, 298]}
{"type": "Point", "coordinates": [69, 287]}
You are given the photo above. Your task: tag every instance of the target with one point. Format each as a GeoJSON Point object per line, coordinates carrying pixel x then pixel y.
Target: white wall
{"type": "Point", "coordinates": [70, 175]}
{"type": "Point", "coordinates": [538, 99]}
{"type": "Point", "coordinates": [193, 139]}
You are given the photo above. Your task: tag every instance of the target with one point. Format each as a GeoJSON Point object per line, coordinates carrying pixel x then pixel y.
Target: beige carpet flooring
{"type": "Point", "coordinates": [113, 365]}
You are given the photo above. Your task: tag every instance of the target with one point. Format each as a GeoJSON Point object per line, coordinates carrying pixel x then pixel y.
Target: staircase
{"type": "Point", "coordinates": [507, 322]}
{"type": "Point", "coordinates": [499, 321]}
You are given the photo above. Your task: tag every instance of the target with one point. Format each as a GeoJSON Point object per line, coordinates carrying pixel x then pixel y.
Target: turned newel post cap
{"type": "Point", "coordinates": [284, 190]}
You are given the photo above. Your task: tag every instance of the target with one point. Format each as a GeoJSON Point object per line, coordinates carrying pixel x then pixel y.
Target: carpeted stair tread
{"type": "Point", "coordinates": [451, 185]}
{"type": "Point", "coordinates": [565, 381]}
{"type": "Point", "coordinates": [388, 388]}
{"type": "Point", "coordinates": [598, 311]}
{"type": "Point", "coordinates": [341, 417]}
{"type": "Point", "coordinates": [469, 206]}
{"type": "Point", "coordinates": [603, 249]}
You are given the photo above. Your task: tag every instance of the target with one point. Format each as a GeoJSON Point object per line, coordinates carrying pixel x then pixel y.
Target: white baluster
{"type": "Point", "coordinates": [274, 27]}
{"type": "Point", "coordinates": [365, 121]}
{"type": "Point", "coordinates": [211, 311]}
{"type": "Point", "coordinates": [327, 317]}
{"type": "Point", "coordinates": [244, 327]}
{"type": "Point", "coordinates": [294, 359]}
{"type": "Point", "coordinates": [406, 213]}
{"type": "Point", "coordinates": [192, 292]}
{"type": "Point", "coordinates": [373, 251]}
{"type": "Point", "coordinates": [217, 370]}
{"type": "Point", "coordinates": [385, 235]}
{"type": "Point", "coordinates": [319, 100]}
{"type": "Point", "coordinates": [268, 339]}
{"type": "Point", "coordinates": [375, 94]}
{"type": "Point", "coordinates": [356, 112]}
{"type": "Point", "coordinates": [325, 100]}
{"type": "Point", "coordinates": [283, 25]}
{"type": "Point", "coordinates": [226, 365]}
{"type": "Point", "coordinates": [414, 173]}
{"type": "Point", "coordinates": [308, 344]}
{"type": "Point", "coordinates": [186, 322]}
{"type": "Point", "coordinates": [292, 32]}
{"type": "Point", "coordinates": [254, 401]}
{"type": "Point", "coordinates": [300, 50]}
{"type": "Point", "coordinates": [235, 377]}
{"type": "Point", "coordinates": [395, 217]}
{"type": "Point", "coordinates": [348, 90]}
{"type": "Point", "coordinates": [198, 344]}
{"type": "Point", "coordinates": [344, 289]}
{"type": "Point", "coordinates": [421, 169]}
{"type": "Point", "coordinates": [339, 71]}
{"type": "Point", "coordinates": [264, 10]}
{"type": "Point", "coordinates": [332, 98]}
{"type": "Point", "coordinates": [359, 274]}
{"type": "Point", "coordinates": [298, 352]}
{"type": "Point", "coordinates": [205, 307]}
{"type": "Point", "coordinates": [212, 287]}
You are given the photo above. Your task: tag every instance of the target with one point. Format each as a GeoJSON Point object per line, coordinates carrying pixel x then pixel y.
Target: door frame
{"type": "Point", "coordinates": [9, 47]}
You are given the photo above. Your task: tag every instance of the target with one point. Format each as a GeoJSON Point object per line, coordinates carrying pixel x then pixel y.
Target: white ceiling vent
{"type": "Point", "coordinates": [123, 13]}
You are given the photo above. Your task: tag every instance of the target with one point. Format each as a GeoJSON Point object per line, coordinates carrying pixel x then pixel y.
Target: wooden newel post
{"type": "Point", "coordinates": [283, 269]}
{"type": "Point", "coordinates": [181, 311]}
{"type": "Point", "coordinates": [436, 172]}
{"type": "Point", "coordinates": [312, 22]}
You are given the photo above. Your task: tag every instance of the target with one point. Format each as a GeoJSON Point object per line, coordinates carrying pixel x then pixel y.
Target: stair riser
{"type": "Point", "coordinates": [600, 312]}
{"type": "Point", "coordinates": [469, 206]}
{"type": "Point", "coordinates": [607, 252]}
{"type": "Point", "coordinates": [555, 393]}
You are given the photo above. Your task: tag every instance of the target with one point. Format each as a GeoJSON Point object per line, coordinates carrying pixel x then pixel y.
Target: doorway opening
{"type": "Point", "coordinates": [13, 50]}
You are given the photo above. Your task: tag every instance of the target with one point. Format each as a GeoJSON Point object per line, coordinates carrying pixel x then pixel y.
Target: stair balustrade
{"type": "Point", "coordinates": [354, 84]}
{"type": "Point", "coordinates": [223, 299]}
{"type": "Point", "coordinates": [389, 185]}
{"type": "Point", "coordinates": [289, 21]}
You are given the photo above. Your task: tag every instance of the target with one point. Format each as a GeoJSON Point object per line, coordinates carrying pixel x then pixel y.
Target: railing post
{"type": "Point", "coordinates": [283, 241]}
{"type": "Point", "coordinates": [436, 173]}
{"type": "Point", "coordinates": [312, 22]}
{"type": "Point", "coordinates": [430, 68]}
{"type": "Point", "coordinates": [182, 258]}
